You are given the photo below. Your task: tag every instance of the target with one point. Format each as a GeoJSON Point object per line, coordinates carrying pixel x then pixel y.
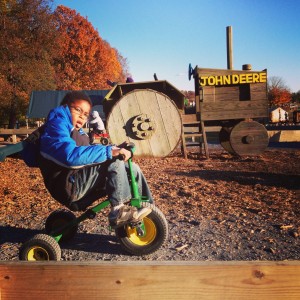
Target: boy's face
{"type": "Point", "coordinates": [80, 111]}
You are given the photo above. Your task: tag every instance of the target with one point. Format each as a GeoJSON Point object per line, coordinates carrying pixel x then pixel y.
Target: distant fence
{"type": "Point", "coordinates": [13, 133]}
{"type": "Point", "coordinates": [278, 135]}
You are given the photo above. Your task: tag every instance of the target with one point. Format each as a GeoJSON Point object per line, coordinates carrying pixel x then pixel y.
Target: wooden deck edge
{"type": "Point", "coordinates": [284, 135]}
{"type": "Point", "coordinates": [150, 280]}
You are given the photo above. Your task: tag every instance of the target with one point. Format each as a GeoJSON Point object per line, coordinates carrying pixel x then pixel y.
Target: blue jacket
{"type": "Point", "coordinates": [58, 146]}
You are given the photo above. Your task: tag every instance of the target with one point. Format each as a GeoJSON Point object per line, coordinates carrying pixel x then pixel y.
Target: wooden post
{"type": "Point", "coordinates": [229, 48]}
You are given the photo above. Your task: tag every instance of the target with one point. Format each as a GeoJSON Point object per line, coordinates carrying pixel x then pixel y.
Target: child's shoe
{"type": "Point", "coordinates": [141, 213]}
{"type": "Point", "coordinates": [120, 216]}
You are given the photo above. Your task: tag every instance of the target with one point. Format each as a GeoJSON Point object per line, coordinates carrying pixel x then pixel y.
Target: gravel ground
{"type": "Point", "coordinates": [224, 208]}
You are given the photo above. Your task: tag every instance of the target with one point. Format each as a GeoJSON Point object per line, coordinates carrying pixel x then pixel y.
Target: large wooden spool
{"type": "Point", "coordinates": [148, 118]}
{"type": "Point", "coordinates": [244, 139]}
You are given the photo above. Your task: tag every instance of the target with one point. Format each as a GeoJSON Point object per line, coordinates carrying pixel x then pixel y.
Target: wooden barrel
{"type": "Point", "coordinates": [246, 138]}
{"type": "Point", "coordinates": [149, 119]}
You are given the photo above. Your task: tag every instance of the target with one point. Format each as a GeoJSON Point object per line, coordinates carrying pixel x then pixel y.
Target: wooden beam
{"type": "Point", "coordinates": [20, 131]}
{"type": "Point", "coordinates": [229, 48]}
{"type": "Point", "coordinates": [150, 280]}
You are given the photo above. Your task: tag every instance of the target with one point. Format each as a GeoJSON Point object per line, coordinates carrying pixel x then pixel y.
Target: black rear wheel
{"type": "Point", "coordinates": [59, 219]}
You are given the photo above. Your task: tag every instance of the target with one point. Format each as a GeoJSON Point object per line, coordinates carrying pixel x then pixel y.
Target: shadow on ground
{"type": "Point", "coordinates": [87, 242]}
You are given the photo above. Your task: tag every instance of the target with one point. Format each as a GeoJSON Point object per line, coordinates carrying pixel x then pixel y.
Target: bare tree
{"type": "Point", "coordinates": [277, 82]}
{"type": "Point", "coordinates": [278, 92]}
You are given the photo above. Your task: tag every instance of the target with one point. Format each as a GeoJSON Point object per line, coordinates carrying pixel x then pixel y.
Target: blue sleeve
{"type": "Point", "coordinates": [58, 146]}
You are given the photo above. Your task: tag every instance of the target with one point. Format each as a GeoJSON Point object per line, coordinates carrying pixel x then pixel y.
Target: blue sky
{"type": "Point", "coordinates": [164, 36]}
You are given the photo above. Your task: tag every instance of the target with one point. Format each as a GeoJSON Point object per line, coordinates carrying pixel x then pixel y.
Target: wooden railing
{"type": "Point", "coordinates": [150, 280]}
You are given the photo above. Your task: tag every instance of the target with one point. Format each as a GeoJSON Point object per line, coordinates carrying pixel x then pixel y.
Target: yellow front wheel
{"type": "Point", "coordinates": [41, 247]}
{"type": "Point", "coordinates": [145, 239]}
{"type": "Point", "coordinates": [153, 234]}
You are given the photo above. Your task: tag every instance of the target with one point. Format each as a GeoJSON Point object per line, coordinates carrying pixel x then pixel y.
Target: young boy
{"type": "Point", "coordinates": [76, 172]}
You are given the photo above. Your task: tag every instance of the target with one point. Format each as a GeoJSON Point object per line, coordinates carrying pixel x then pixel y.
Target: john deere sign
{"type": "Point", "coordinates": [230, 79]}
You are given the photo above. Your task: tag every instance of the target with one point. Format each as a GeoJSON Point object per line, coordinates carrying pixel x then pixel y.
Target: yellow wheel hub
{"type": "Point", "coordinates": [148, 238]}
{"type": "Point", "coordinates": [37, 253]}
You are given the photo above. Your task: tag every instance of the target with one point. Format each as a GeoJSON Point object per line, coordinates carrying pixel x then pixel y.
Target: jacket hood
{"type": "Point", "coordinates": [95, 114]}
{"type": "Point", "coordinates": [61, 112]}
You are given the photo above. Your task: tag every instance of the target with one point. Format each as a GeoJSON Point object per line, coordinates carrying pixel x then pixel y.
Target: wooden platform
{"type": "Point", "coordinates": [150, 280]}
{"type": "Point", "coordinates": [284, 135]}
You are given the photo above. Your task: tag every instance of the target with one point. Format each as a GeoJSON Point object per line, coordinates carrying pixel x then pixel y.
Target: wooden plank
{"type": "Point", "coordinates": [171, 119]}
{"type": "Point", "coordinates": [213, 72]}
{"type": "Point", "coordinates": [193, 134]}
{"type": "Point", "coordinates": [232, 115]}
{"type": "Point", "coordinates": [220, 93]}
{"type": "Point", "coordinates": [207, 128]}
{"type": "Point", "coordinates": [183, 145]}
{"type": "Point", "coordinates": [233, 110]}
{"type": "Point", "coordinates": [161, 86]}
{"type": "Point", "coordinates": [284, 135]}
{"type": "Point", "coordinates": [204, 139]}
{"type": "Point", "coordinates": [167, 119]}
{"type": "Point", "coordinates": [259, 95]}
{"type": "Point", "coordinates": [289, 136]}
{"type": "Point", "coordinates": [191, 118]}
{"type": "Point", "coordinates": [20, 131]}
{"type": "Point", "coordinates": [149, 104]}
{"type": "Point", "coordinates": [151, 280]}
{"type": "Point", "coordinates": [234, 105]}
{"type": "Point", "coordinates": [259, 87]}
{"type": "Point", "coordinates": [210, 90]}
{"type": "Point", "coordinates": [233, 93]}
{"type": "Point", "coordinates": [212, 128]}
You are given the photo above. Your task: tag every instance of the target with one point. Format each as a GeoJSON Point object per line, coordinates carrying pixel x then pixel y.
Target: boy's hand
{"type": "Point", "coordinates": [123, 145]}
{"type": "Point", "coordinates": [116, 151]}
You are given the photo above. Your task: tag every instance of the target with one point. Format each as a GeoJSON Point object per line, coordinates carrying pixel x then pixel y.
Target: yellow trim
{"type": "Point", "coordinates": [37, 253]}
{"type": "Point", "coordinates": [244, 78]}
{"type": "Point", "coordinates": [148, 238]}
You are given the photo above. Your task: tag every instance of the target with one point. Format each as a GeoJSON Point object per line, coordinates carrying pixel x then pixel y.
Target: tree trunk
{"type": "Point", "coordinates": [12, 115]}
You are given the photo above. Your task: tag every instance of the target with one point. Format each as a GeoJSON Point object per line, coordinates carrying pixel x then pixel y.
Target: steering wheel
{"type": "Point", "coordinates": [190, 71]}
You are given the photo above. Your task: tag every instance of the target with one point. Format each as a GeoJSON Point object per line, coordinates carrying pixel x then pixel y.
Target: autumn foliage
{"type": "Point", "coordinates": [27, 39]}
{"type": "Point", "coordinates": [278, 96]}
{"type": "Point", "coordinates": [41, 49]}
{"type": "Point", "coordinates": [86, 61]}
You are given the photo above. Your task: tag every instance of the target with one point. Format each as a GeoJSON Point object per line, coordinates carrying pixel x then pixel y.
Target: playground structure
{"type": "Point", "coordinates": [234, 100]}
{"type": "Point", "coordinates": [151, 114]}
{"type": "Point", "coordinates": [146, 113]}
